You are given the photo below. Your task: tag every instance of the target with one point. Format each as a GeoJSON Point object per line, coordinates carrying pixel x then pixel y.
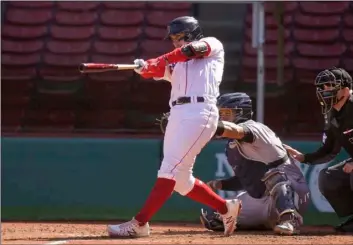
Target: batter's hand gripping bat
{"type": "Point", "coordinates": [102, 67]}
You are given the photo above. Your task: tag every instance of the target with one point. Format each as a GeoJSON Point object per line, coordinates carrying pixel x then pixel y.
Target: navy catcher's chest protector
{"type": "Point", "coordinates": [248, 171]}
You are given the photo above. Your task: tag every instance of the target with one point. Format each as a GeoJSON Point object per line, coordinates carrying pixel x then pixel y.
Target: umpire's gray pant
{"type": "Point", "coordinates": [337, 187]}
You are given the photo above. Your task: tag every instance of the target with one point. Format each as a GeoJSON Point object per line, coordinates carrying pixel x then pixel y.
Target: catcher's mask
{"type": "Point", "coordinates": [235, 107]}
{"type": "Point", "coordinates": [328, 83]}
{"type": "Point", "coordinates": [185, 28]}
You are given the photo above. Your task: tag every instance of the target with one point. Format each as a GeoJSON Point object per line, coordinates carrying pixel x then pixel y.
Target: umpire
{"type": "Point", "coordinates": [334, 92]}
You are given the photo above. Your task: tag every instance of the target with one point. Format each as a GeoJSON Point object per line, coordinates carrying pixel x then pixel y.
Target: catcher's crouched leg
{"type": "Point", "coordinates": [283, 196]}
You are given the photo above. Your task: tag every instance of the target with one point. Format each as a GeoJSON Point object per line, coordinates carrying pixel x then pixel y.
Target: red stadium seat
{"type": "Point", "coordinates": [119, 33]}
{"type": "Point", "coordinates": [122, 17]}
{"type": "Point", "coordinates": [125, 5]}
{"type": "Point", "coordinates": [155, 32]}
{"type": "Point", "coordinates": [21, 46]}
{"type": "Point", "coordinates": [115, 48]}
{"type": "Point", "coordinates": [32, 4]}
{"type": "Point", "coordinates": [348, 20]}
{"type": "Point", "coordinates": [170, 6]}
{"type": "Point", "coordinates": [64, 60]}
{"type": "Point", "coordinates": [317, 21]}
{"type": "Point", "coordinates": [100, 119]}
{"type": "Point", "coordinates": [123, 76]}
{"type": "Point", "coordinates": [15, 101]}
{"type": "Point", "coordinates": [16, 87]}
{"type": "Point", "coordinates": [348, 35]}
{"type": "Point", "coordinates": [11, 119]}
{"type": "Point", "coordinates": [23, 32]}
{"type": "Point", "coordinates": [78, 6]}
{"type": "Point", "coordinates": [269, 49]}
{"type": "Point", "coordinates": [321, 50]}
{"type": "Point", "coordinates": [271, 35]}
{"type": "Point", "coordinates": [68, 47]}
{"type": "Point", "coordinates": [28, 16]}
{"type": "Point", "coordinates": [60, 74]}
{"type": "Point", "coordinates": [160, 18]}
{"type": "Point", "coordinates": [20, 59]}
{"type": "Point", "coordinates": [270, 62]}
{"type": "Point", "coordinates": [328, 8]}
{"type": "Point", "coordinates": [46, 119]}
{"type": "Point", "coordinates": [72, 32]}
{"type": "Point", "coordinates": [347, 63]}
{"type": "Point", "coordinates": [18, 73]}
{"type": "Point", "coordinates": [270, 21]}
{"type": "Point", "coordinates": [250, 75]}
{"type": "Point", "coordinates": [113, 59]}
{"type": "Point", "coordinates": [76, 18]}
{"type": "Point", "coordinates": [318, 35]}
{"type": "Point", "coordinates": [287, 7]}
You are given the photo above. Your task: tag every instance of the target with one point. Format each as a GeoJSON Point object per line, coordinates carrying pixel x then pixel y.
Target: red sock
{"type": "Point", "coordinates": [204, 194]}
{"type": "Point", "coordinates": [160, 193]}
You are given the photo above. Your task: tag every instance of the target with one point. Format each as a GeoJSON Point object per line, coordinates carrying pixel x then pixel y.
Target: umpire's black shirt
{"type": "Point", "coordinates": [338, 134]}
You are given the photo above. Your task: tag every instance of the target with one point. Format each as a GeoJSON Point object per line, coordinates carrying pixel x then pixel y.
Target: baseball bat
{"type": "Point", "coordinates": [103, 67]}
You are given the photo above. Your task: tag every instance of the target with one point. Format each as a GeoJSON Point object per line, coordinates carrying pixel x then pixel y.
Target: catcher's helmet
{"type": "Point", "coordinates": [186, 28]}
{"type": "Point", "coordinates": [328, 82]}
{"type": "Point", "coordinates": [235, 107]}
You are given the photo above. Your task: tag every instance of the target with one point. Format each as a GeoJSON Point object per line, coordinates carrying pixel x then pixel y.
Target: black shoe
{"type": "Point", "coordinates": [346, 226]}
{"type": "Point", "coordinates": [211, 221]}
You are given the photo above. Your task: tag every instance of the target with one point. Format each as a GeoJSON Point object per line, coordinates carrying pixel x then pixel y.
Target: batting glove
{"type": "Point", "coordinates": [141, 63]}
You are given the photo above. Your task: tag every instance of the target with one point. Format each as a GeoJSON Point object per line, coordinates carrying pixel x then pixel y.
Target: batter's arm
{"type": "Point", "coordinates": [233, 131]}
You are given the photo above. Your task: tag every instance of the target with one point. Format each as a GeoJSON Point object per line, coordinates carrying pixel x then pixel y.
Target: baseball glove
{"type": "Point", "coordinates": [163, 121]}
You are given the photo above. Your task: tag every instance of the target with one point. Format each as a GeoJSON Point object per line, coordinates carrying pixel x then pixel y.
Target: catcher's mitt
{"type": "Point", "coordinates": [163, 121]}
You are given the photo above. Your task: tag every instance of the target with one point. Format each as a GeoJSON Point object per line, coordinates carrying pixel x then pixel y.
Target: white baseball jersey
{"type": "Point", "coordinates": [197, 77]}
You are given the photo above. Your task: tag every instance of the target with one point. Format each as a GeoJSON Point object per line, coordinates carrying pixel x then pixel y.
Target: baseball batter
{"type": "Point", "coordinates": [275, 194]}
{"type": "Point", "coordinates": [194, 69]}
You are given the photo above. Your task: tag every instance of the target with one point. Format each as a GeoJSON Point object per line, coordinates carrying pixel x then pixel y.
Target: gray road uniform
{"type": "Point", "coordinates": [270, 182]}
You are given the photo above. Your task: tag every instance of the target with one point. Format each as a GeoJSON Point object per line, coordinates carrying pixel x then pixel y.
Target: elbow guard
{"type": "Point", "coordinates": [220, 129]}
{"type": "Point", "coordinates": [196, 49]}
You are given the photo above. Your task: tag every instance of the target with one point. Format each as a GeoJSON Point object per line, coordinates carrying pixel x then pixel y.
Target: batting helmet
{"type": "Point", "coordinates": [328, 82]}
{"type": "Point", "coordinates": [235, 107]}
{"type": "Point", "coordinates": [185, 28]}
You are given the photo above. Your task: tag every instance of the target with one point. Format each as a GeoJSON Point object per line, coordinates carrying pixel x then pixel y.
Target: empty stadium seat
{"type": "Point", "coordinates": [32, 4]}
{"type": "Point", "coordinates": [323, 8]}
{"type": "Point", "coordinates": [155, 32]}
{"type": "Point", "coordinates": [100, 119]}
{"type": "Point", "coordinates": [26, 16]}
{"type": "Point", "coordinates": [270, 21]}
{"type": "Point", "coordinates": [121, 33]}
{"type": "Point", "coordinates": [271, 35]}
{"type": "Point", "coordinates": [49, 119]}
{"type": "Point", "coordinates": [64, 60]}
{"type": "Point", "coordinates": [21, 47]}
{"type": "Point", "coordinates": [317, 35]}
{"type": "Point", "coordinates": [59, 74]}
{"type": "Point", "coordinates": [11, 120]}
{"type": "Point", "coordinates": [77, 6]}
{"type": "Point", "coordinates": [75, 18]}
{"type": "Point", "coordinates": [170, 6]}
{"type": "Point", "coordinates": [20, 59]}
{"type": "Point", "coordinates": [68, 47]}
{"type": "Point", "coordinates": [18, 73]}
{"type": "Point", "coordinates": [125, 5]}
{"type": "Point", "coordinates": [348, 20]}
{"type": "Point", "coordinates": [71, 32]}
{"type": "Point", "coordinates": [321, 50]}
{"type": "Point", "coordinates": [160, 18]}
{"type": "Point", "coordinates": [348, 35]}
{"type": "Point", "coordinates": [23, 32]}
{"type": "Point", "coordinates": [115, 48]}
{"type": "Point", "coordinates": [154, 48]}
{"type": "Point", "coordinates": [269, 49]}
{"type": "Point", "coordinates": [122, 17]}
{"type": "Point", "coordinates": [317, 22]}
{"type": "Point", "coordinates": [112, 59]}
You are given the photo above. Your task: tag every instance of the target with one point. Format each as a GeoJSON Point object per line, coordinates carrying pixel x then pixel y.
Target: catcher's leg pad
{"type": "Point", "coordinates": [284, 197]}
{"type": "Point", "coordinates": [211, 220]}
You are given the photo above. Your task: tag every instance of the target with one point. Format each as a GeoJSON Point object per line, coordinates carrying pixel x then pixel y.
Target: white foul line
{"type": "Point", "coordinates": [56, 242]}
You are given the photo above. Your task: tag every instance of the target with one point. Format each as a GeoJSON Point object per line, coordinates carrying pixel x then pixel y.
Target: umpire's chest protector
{"type": "Point", "coordinates": [248, 171]}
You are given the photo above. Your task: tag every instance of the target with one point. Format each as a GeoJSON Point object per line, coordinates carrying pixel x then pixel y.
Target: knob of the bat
{"type": "Point", "coordinates": [82, 67]}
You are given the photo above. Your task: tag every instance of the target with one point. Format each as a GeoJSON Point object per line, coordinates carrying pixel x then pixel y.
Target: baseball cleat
{"type": "Point", "coordinates": [230, 218]}
{"type": "Point", "coordinates": [130, 229]}
{"type": "Point", "coordinates": [286, 228]}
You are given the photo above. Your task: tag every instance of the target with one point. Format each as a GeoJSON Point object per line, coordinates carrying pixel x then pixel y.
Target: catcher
{"type": "Point", "coordinates": [275, 193]}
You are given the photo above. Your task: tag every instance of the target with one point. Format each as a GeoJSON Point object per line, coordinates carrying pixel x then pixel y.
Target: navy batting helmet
{"type": "Point", "coordinates": [184, 28]}
{"type": "Point", "coordinates": [328, 82]}
{"type": "Point", "coordinates": [235, 107]}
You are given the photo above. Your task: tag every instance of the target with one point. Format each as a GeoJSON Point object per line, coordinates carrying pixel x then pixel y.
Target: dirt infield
{"type": "Point", "coordinates": [162, 233]}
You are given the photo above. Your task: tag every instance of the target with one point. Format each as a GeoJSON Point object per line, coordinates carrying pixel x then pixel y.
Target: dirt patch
{"type": "Point", "coordinates": [162, 233]}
